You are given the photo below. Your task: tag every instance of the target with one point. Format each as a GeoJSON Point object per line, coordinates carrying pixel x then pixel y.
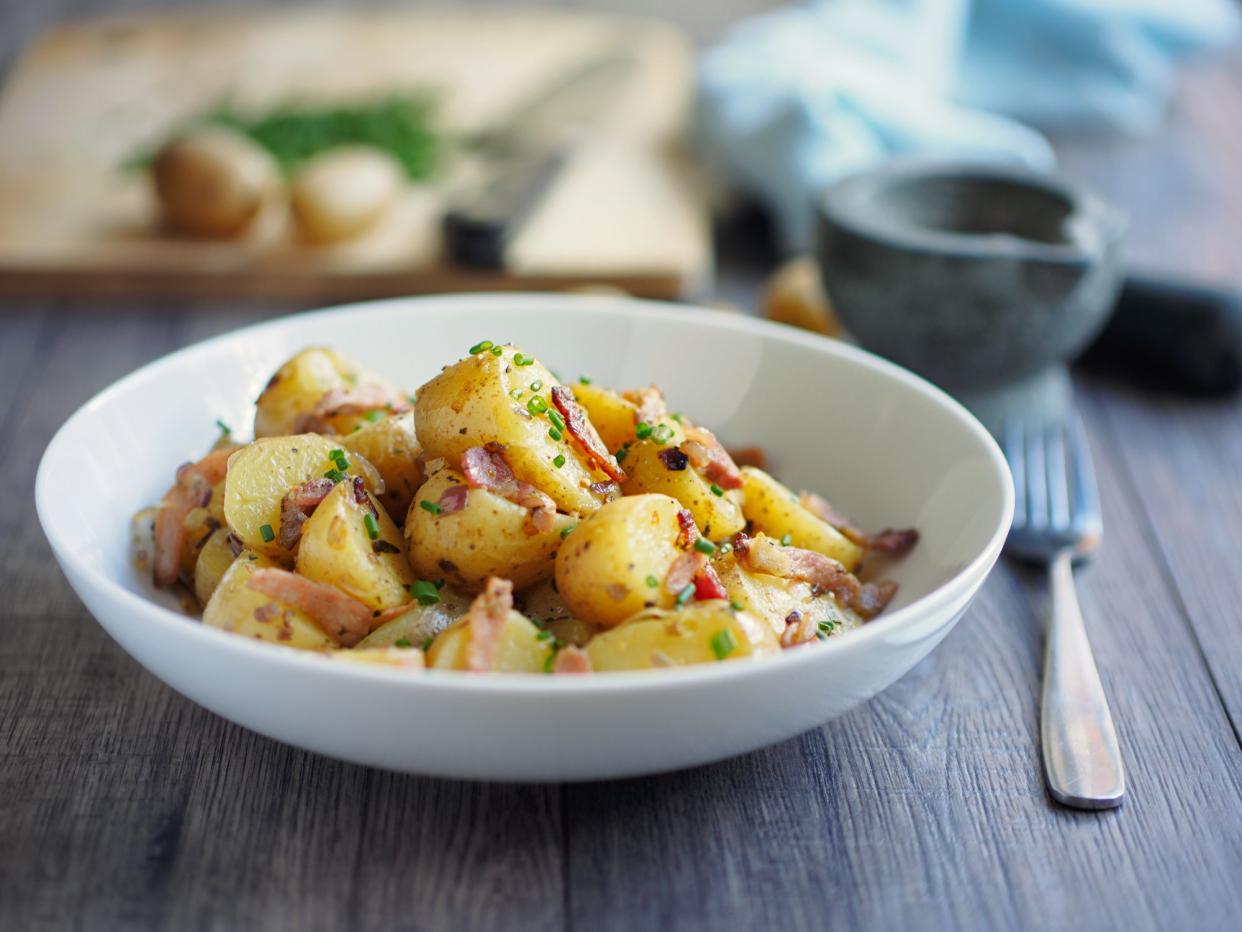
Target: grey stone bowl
{"type": "Point", "coordinates": [974, 276]}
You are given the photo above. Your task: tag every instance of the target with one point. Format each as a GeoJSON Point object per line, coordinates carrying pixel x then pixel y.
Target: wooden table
{"type": "Point", "coordinates": [122, 805]}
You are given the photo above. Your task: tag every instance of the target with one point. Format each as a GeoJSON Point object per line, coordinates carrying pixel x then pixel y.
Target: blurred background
{"type": "Point", "coordinates": [302, 154]}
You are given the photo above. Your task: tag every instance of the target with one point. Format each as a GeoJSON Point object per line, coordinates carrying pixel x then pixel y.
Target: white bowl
{"type": "Point", "coordinates": [885, 446]}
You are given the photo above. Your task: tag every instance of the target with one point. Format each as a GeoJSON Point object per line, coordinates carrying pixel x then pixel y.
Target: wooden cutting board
{"type": "Point", "coordinates": [90, 95]}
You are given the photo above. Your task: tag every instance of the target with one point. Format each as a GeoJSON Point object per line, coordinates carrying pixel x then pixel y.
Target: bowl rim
{"type": "Point", "coordinates": [838, 208]}
{"type": "Point", "coordinates": [957, 588]}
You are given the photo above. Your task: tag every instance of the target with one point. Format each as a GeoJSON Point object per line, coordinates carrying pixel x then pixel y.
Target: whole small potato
{"type": "Point", "coordinates": [213, 182]}
{"type": "Point", "coordinates": [342, 192]}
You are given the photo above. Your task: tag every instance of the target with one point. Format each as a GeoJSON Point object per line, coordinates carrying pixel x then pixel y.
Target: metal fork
{"type": "Point", "coordinates": [1057, 521]}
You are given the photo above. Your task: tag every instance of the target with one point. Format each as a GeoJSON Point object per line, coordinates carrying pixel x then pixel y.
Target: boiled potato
{"type": "Point", "coordinates": [543, 605]}
{"type": "Point", "coordinates": [416, 626]}
{"type": "Point", "coordinates": [605, 567]}
{"type": "Point", "coordinates": [213, 181]}
{"type": "Point", "coordinates": [488, 397]}
{"type": "Point", "coordinates": [613, 416]}
{"type": "Point", "coordinates": [214, 559]}
{"type": "Point", "coordinates": [235, 607]}
{"type": "Point", "coordinates": [343, 192]}
{"type": "Point", "coordinates": [718, 516]}
{"type": "Point", "coordinates": [391, 446]}
{"type": "Point", "coordinates": [262, 473]}
{"type": "Point", "coordinates": [775, 510]}
{"type": "Point", "coordinates": [142, 540]}
{"type": "Point", "coordinates": [773, 598]}
{"type": "Point", "coordinates": [702, 632]}
{"type": "Point", "coordinates": [522, 647]}
{"type": "Point", "coordinates": [301, 383]}
{"type": "Point", "coordinates": [337, 549]}
{"type": "Point", "coordinates": [490, 536]}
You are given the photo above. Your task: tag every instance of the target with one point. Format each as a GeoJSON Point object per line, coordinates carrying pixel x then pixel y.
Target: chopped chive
{"type": "Point", "coordinates": [335, 475]}
{"type": "Point", "coordinates": [224, 428]}
{"type": "Point", "coordinates": [621, 453]}
{"type": "Point", "coordinates": [555, 417]}
{"type": "Point", "coordinates": [544, 636]}
{"type": "Point", "coordinates": [336, 454]}
{"type": "Point", "coordinates": [685, 595]}
{"type": "Point", "coordinates": [480, 347]}
{"type": "Point", "coordinates": [382, 546]}
{"type": "Point", "coordinates": [372, 526]}
{"type": "Point", "coordinates": [374, 416]}
{"type": "Point", "coordinates": [653, 582]}
{"type": "Point", "coordinates": [717, 490]}
{"type": "Point", "coordinates": [726, 547]}
{"type": "Point", "coordinates": [267, 533]}
{"type": "Point", "coordinates": [402, 642]}
{"type": "Point", "coordinates": [827, 626]}
{"type": "Point", "coordinates": [424, 592]}
{"type": "Point", "coordinates": [786, 540]}
{"type": "Point", "coordinates": [584, 379]}
{"type": "Point", "coordinates": [555, 434]}
{"type": "Point", "coordinates": [430, 506]}
{"type": "Point", "coordinates": [643, 430]}
{"type": "Point", "coordinates": [497, 350]}
{"type": "Point", "coordinates": [735, 605]}
{"type": "Point", "coordinates": [536, 405]}
{"type": "Point", "coordinates": [676, 417]}
{"type": "Point", "coordinates": [516, 394]}
{"type": "Point", "coordinates": [703, 545]}
{"type": "Point", "coordinates": [565, 532]}
{"type": "Point", "coordinates": [547, 664]}
{"type": "Point", "coordinates": [357, 427]}
{"type": "Point", "coordinates": [427, 643]}
{"type": "Point", "coordinates": [661, 433]}
{"type": "Point", "coordinates": [723, 643]}
{"type": "Point", "coordinates": [439, 583]}
{"type": "Point", "coordinates": [519, 359]}
{"type": "Point", "coordinates": [559, 460]}
{"type": "Point", "coordinates": [536, 385]}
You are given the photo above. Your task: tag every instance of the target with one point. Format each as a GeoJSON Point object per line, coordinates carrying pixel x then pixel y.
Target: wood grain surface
{"type": "Point", "coordinates": [124, 806]}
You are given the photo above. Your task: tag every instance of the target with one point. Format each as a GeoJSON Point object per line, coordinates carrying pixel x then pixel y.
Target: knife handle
{"type": "Point", "coordinates": [1176, 335]}
{"type": "Point", "coordinates": [481, 220]}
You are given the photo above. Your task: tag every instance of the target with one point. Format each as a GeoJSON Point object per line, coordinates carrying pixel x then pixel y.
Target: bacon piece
{"type": "Point", "coordinates": [572, 660]}
{"type": "Point", "coordinates": [454, 499]}
{"type": "Point", "coordinates": [650, 403]}
{"type": "Point", "coordinates": [486, 617]}
{"type": "Point", "coordinates": [750, 456]}
{"type": "Point", "coordinates": [689, 532]}
{"type": "Point", "coordinates": [764, 555]}
{"type": "Point", "coordinates": [707, 584]}
{"type": "Point", "coordinates": [582, 430]}
{"type": "Point", "coordinates": [297, 506]}
{"type": "Point", "coordinates": [485, 468]}
{"type": "Point", "coordinates": [358, 399]}
{"type": "Point", "coordinates": [684, 571]}
{"type": "Point", "coordinates": [191, 490]}
{"type": "Point", "coordinates": [710, 458]}
{"type": "Point", "coordinates": [342, 618]}
{"type": "Point", "coordinates": [799, 629]}
{"type": "Point", "coordinates": [889, 541]}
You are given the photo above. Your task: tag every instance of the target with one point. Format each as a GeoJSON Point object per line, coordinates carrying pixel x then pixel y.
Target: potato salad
{"type": "Point", "coordinates": [499, 519]}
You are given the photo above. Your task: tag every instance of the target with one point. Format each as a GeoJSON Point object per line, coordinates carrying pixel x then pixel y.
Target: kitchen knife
{"type": "Point", "coordinates": [521, 158]}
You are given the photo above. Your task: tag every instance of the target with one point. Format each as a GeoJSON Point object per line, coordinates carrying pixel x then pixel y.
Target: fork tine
{"type": "Point", "coordinates": [1015, 453]}
{"type": "Point", "coordinates": [1036, 476]}
{"type": "Point", "coordinates": [1058, 480]}
{"type": "Point", "coordinates": [1084, 494]}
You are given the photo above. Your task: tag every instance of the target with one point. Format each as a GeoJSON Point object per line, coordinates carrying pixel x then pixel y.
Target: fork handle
{"type": "Point", "coordinates": [1081, 757]}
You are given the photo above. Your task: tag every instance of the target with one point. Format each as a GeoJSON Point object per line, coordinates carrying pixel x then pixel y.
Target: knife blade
{"type": "Point", "coordinates": [521, 158]}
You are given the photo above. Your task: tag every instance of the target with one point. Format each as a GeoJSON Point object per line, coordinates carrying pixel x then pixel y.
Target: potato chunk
{"type": "Point", "coordinates": [337, 548]}
{"type": "Point", "coordinates": [235, 607]}
{"type": "Point", "coordinates": [214, 559]}
{"type": "Point", "coordinates": [418, 624]}
{"type": "Point", "coordinates": [775, 510]}
{"type": "Point", "coordinates": [614, 563]}
{"type": "Point", "coordinates": [702, 632]}
{"type": "Point", "coordinates": [391, 446]}
{"type": "Point", "coordinates": [490, 398]}
{"type": "Point", "coordinates": [520, 648]}
{"type": "Point", "coordinates": [650, 467]}
{"type": "Point", "coordinates": [262, 473]}
{"type": "Point", "coordinates": [490, 536]}
{"type": "Point", "coordinates": [613, 416]}
{"type": "Point", "coordinates": [302, 382]}
{"type": "Point", "coordinates": [773, 599]}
